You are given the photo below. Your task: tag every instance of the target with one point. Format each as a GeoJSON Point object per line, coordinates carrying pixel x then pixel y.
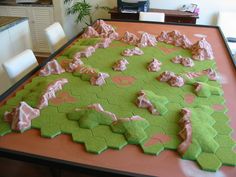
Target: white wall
{"type": "Point", "coordinates": [208, 8]}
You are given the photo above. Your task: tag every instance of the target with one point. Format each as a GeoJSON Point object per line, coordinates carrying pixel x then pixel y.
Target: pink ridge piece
{"type": "Point", "coordinates": [202, 50]}
{"type": "Point", "coordinates": [154, 65]}
{"type": "Point", "coordinates": [99, 79]}
{"type": "Point", "coordinates": [90, 32]}
{"type": "Point", "coordinates": [52, 67]}
{"type": "Point", "coordinates": [130, 38]}
{"type": "Point", "coordinates": [50, 92]}
{"type": "Point", "coordinates": [172, 79]}
{"type": "Point", "coordinates": [175, 38]}
{"type": "Point", "coordinates": [185, 61]}
{"type": "Point", "coordinates": [21, 116]}
{"type": "Point", "coordinates": [85, 53]}
{"type": "Point", "coordinates": [147, 40]}
{"type": "Point", "coordinates": [74, 64]}
{"type": "Point", "coordinates": [133, 118]}
{"type": "Point", "coordinates": [105, 30]}
{"type": "Point", "coordinates": [98, 107]}
{"type": "Point", "coordinates": [104, 43]}
{"type": "Point", "coordinates": [131, 52]}
{"type": "Point", "coordinates": [210, 73]}
{"type": "Point", "coordinates": [120, 65]}
{"type": "Point", "coordinates": [186, 132]}
{"type": "Point", "coordinates": [143, 102]}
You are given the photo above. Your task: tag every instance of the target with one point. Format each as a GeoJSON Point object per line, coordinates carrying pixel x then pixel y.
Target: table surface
{"type": "Point", "coordinates": [130, 159]}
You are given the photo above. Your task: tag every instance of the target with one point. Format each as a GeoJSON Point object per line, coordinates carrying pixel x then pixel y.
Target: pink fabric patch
{"type": "Point", "coordinates": [168, 51]}
{"type": "Point", "coordinates": [63, 97]}
{"type": "Point", "coordinates": [123, 80]}
{"type": "Point", "coordinates": [157, 138]}
{"type": "Point", "coordinates": [189, 98]}
{"type": "Point", "coordinates": [218, 107]}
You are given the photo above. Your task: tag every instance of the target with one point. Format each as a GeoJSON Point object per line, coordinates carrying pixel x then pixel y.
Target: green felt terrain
{"type": "Point", "coordinates": [212, 145]}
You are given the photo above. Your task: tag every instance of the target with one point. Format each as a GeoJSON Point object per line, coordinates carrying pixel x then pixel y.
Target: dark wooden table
{"type": "Point", "coordinates": [170, 15]}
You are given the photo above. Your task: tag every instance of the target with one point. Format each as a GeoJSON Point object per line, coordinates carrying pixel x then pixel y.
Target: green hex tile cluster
{"type": "Point", "coordinates": [5, 127]}
{"type": "Point", "coordinates": [159, 102]}
{"type": "Point", "coordinates": [206, 90]}
{"type": "Point", "coordinates": [80, 45]}
{"type": "Point", "coordinates": [210, 151]}
{"type": "Point", "coordinates": [132, 129]}
{"type": "Point", "coordinates": [203, 133]}
{"type": "Point", "coordinates": [113, 140]}
{"type": "Point", "coordinates": [85, 76]}
{"type": "Point", "coordinates": [88, 118]}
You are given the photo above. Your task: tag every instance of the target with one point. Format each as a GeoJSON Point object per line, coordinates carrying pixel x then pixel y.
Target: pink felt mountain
{"type": "Point", "coordinates": [202, 50]}
{"type": "Point", "coordinates": [147, 40]}
{"type": "Point", "coordinates": [130, 38]}
{"type": "Point", "coordinates": [50, 92]}
{"type": "Point", "coordinates": [52, 67]}
{"type": "Point", "coordinates": [186, 131]}
{"type": "Point", "coordinates": [175, 38]}
{"type": "Point", "coordinates": [154, 65]}
{"type": "Point", "coordinates": [21, 116]}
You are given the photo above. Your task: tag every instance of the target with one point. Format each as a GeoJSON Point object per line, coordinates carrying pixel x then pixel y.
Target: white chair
{"type": "Point", "coordinates": [20, 65]}
{"type": "Point", "coordinates": [226, 21]}
{"type": "Point", "coordinates": [152, 16]}
{"type": "Point", "coordinates": [56, 36]}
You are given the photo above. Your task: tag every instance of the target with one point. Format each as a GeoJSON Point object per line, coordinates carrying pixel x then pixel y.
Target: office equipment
{"type": "Point", "coordinates": [133, 6]}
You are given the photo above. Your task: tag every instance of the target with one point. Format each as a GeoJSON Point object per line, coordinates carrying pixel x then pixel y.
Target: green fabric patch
{"type": "Point", "coordinates": [209, 162]}
{"type": "Point", "coordinates": [203, 133]}
{"type": "Point", "coordinates": [70, 52]}
{"type": "Point", "coordinates": [207, 90]}
{"type": "Point", "coordinates": [227, 156]}
{"type": "Point", "coordinates": [133, 130]}
{"type": "Point", "coordinates": [158, 102]}
{"type": "Point", "coordinates": [89, 118]}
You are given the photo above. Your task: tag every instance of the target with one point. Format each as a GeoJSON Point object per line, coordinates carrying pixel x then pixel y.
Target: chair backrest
{"type": "Point", "coordinates": [20, 65]}
{"type": "Point", "coordinates": [56, 36]}
{"type": "Point", "coordinates": [152, 16]}
{"type": "Point", "coordinates": [226, 23]}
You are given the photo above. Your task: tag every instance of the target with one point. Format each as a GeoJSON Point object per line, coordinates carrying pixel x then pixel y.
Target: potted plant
{"type": "Point", "coordinates": [83, 10]}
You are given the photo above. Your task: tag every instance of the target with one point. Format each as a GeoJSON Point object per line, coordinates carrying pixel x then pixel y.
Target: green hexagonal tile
{"type": "Point", "coordinates": [5, 128]}
{"type": "Point", "coordinates": [209, 162]}
{"type": "Point", "coordinates": [81, 135]}
{"type": "Point", "coordinates": [173, 143]}
{"type": "Point", "coordinates": [113, 140]}
{"type": "Point", "coordinates": [50, 130]}
{"type": "Point", "coordinates": [225, 141]}
{"type": "Point", "coordinates": [227, 156]}
{"type": "Point", "coordinates": [222, 129]}
{"type": "Point", "coordinates": [153, 149]}
{"type": "Point", "coordinates": [220, 117]}
{"type": "Point", "coordinates": [95, 145]}
{"type": "Point", "coordinates": [193, 151]}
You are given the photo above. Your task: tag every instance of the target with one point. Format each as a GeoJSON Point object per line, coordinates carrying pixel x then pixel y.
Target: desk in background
{"type": "Point", "coordinates": [170, 15]}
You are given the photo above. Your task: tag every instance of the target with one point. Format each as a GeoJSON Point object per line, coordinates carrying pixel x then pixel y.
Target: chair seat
{"type": "Point", "coordinates": [232, 46]}
{"type": "Point", "coordinates": [20, 65]}
{"type": "Point", "coordinates": [56, 36]}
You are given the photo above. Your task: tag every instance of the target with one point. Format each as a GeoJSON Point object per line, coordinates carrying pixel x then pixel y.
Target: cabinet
{"type": "Point", "coordinates": [39, 19]}
{"type": "Point", "coordinates": [170, 15]}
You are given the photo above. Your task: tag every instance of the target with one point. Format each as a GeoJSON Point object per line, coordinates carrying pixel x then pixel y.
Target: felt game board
{"type": "Point", "coordinates": [212, 145]}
